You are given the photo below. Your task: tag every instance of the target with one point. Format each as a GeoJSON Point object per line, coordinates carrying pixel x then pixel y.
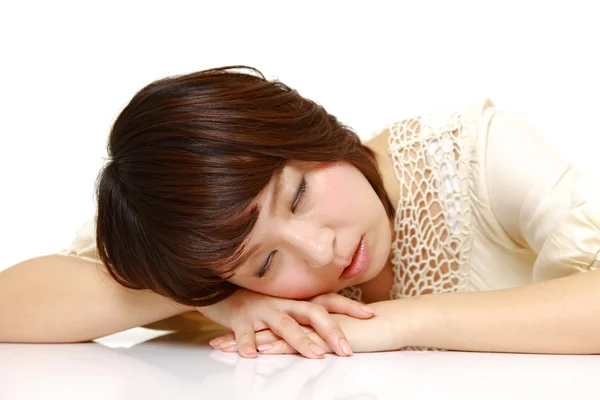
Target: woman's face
{"type": "Point", "coordinates": [307, 234]}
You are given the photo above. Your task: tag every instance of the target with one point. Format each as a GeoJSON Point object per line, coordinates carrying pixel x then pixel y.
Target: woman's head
{"type": "Point", "coordinates": [193, 162]}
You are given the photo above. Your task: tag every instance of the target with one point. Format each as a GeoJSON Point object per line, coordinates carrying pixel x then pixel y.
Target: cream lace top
{"type": "Point", "coordinates": [485, 203]}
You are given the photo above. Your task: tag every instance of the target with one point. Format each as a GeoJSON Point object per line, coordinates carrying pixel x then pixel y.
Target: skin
{"type": "Point", "coordinates": [314, 239]}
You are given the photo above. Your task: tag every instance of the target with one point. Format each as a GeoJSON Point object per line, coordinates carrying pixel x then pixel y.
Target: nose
{"type": "Point", "coordinates": [311, 242]}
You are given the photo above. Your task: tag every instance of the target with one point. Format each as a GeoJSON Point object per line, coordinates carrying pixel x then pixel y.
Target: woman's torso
{"type": "Point", "coordinates": [446, 237]}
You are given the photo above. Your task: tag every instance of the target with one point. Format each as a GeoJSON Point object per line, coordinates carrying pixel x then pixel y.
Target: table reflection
{"type": "Point", "coordinates": [182, 365]}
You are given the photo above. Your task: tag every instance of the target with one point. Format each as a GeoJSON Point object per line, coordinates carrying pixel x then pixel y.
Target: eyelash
{"type": "Point", "coordinates": [299, 196]}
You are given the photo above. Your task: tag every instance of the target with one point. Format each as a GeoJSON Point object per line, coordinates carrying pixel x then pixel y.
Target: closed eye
{"type": "Point", "coordinates": [297, 200]}
{"type": "Point", "coordinates": [263, 271]}
{"type": "Point", "coordinates": [299, 194]}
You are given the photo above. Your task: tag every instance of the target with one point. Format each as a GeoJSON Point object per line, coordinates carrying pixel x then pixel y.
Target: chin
{"type": "Point", "coordinates": [377, 264]}
{"type": "Point", "coordinates": [370, 273]}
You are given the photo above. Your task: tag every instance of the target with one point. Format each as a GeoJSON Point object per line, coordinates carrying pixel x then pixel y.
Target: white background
{"type": "Point", "coordinates": [67, 68]}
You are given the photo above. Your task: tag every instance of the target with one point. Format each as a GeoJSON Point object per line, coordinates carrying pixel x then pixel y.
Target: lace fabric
{"type": "Point", "coordinates": [432, 246]}
{"type": "Point", "coordinates": [431, 251]}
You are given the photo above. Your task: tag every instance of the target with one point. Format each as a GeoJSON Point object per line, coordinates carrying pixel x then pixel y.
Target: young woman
{"type": "Point", "coordinates": [232, 195]}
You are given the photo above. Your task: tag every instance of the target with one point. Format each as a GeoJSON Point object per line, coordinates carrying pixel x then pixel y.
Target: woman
{"type": "Point", "coordinates": [462, 230]}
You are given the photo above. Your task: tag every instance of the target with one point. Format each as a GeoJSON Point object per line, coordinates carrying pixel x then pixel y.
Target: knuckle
{"type": "Point", "coordinates": [297, 304]}
{"type": "Point", "coordinates": [283, 323]}
{"type": "Point", "coordinates": [320, 298]}
{"type": "Point", "coordinates": [243, 335]}
{"type": "Point", "coordinates": [319, 308]}
{"type": "Point", "coordinates": [335, 331]}
{"type": "Point", "coordinates": [239, 326]}
{"type": "Point", "coordinates": [305, 342]}
{"type": "Point", "coordinates": [266, 305]}
{"type": "Point", "coordinates": [321, 316]}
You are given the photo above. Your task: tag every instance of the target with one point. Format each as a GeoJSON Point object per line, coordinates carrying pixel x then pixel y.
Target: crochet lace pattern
{"type": "Point", "coordinates": [431, 250]}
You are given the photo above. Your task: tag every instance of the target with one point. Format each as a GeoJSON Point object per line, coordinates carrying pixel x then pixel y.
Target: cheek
{"type": "Point", "coordinates": [348, 197]}
{"type": "Point", "coordinates": [337, 196]}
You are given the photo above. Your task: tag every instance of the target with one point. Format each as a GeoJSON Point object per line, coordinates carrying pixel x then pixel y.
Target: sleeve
{"type": "Point", "coordinates": [84, 243]}
{"type": "Point", "coordinates": [540, 199]}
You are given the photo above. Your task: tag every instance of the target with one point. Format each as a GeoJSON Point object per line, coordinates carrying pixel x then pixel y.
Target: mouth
{"type": "Point", "coordinates": [359, 261]}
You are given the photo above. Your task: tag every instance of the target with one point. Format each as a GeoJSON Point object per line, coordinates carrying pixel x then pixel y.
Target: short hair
{"type": "Point", "coordinates": [187, 157]}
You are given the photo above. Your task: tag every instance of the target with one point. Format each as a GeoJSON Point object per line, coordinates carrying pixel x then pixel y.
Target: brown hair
{"type": "Point", "coordinates": [187, 157]}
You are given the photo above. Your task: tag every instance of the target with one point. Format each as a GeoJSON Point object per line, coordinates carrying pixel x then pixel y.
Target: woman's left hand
{"type": "Point", "coordinates": [269, 343]}
{"type": "Point", "coordinates": [375, 334]}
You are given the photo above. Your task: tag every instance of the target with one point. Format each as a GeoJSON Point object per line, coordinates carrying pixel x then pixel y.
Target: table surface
{"type": "Point", "coordinates": [144, 364]}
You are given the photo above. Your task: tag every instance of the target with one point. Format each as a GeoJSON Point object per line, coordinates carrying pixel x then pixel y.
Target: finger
{"type": "Point", "coordinates": [277, 347]}
{"type": "Point", "coordinates": [289, 330]}
{"type": "Point", "coordinates": [230, 349]}
{"type": "Point", "coordinates": [266, 336]}
{"type": "Point", "coordinates": [329, 330]}
{"type": "Point", "coordinates": [222, 341]}
{"type": "Point", "coordinates": [244, 340]}
{"type": "Point", "coordinates": [338, 304]}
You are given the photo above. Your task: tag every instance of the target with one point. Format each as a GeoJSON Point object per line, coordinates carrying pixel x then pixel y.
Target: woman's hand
{"type": "Point", "coordinates": [392, 328]}
{"type": "Point", "coordinates": [269, 343]}
{"type": "Point", "coordinates": [247, 312]}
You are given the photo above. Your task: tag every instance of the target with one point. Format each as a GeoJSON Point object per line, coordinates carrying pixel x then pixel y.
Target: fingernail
{"type": "Point", "coordinates": [250, 353]}
{"type": "Point", "coordinates": [264, 347]}
{"type": "Point", "coordinates": [226, 345]}
{"type": "Point", "coordinates": [367, 309]}
{"type": "Point", "coordinates": [316, 349]}
{"type": "Point", "coordinates": [345, 346]}
{"type": "Point", "coordinates": [215, 341]}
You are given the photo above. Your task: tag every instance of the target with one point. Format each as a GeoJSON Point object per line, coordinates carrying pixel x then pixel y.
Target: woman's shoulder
{"type": "Point", "coordinates": [412, 142]}
{"type": "Point", "coordinates": [431, 124]}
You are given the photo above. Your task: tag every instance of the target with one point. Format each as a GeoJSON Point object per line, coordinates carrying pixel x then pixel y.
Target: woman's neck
{"type": "Point", "coordinates": [379, 144]}
{"type": "Point", "coordinates": [379, 288]}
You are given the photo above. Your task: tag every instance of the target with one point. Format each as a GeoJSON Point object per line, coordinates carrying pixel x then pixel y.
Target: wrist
{"type": "Point", "coordinates": [416, 316]}
{"type": "Point", "coordinates": [404, 320]}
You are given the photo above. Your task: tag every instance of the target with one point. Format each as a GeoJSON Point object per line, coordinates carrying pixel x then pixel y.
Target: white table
{"type": "Point", "coordinates": [180, 365]}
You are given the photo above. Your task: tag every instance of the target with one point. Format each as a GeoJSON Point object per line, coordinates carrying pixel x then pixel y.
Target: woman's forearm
{"type": "Point", "coordinates": [558, 316]}
{"type": "Point", "coordinates": [61, 299]}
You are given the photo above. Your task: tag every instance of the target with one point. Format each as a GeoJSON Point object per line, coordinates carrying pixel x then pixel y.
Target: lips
{"type": "Point", "coordinates": [351, 255]}
{"type": "Point", "coordinates": [359, 261]}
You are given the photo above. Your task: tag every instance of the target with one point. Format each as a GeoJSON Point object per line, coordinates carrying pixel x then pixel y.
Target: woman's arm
{"type": "Point", "coordinates": [59, 299]}
{"type": "Point", "coordinates": [558, 316]}
{"type": "Point", "coordinates": [55, 299]}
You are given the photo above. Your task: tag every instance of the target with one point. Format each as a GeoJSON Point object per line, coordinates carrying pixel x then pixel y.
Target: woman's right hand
{"type": "Point", "coordinates": [247, 312]}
